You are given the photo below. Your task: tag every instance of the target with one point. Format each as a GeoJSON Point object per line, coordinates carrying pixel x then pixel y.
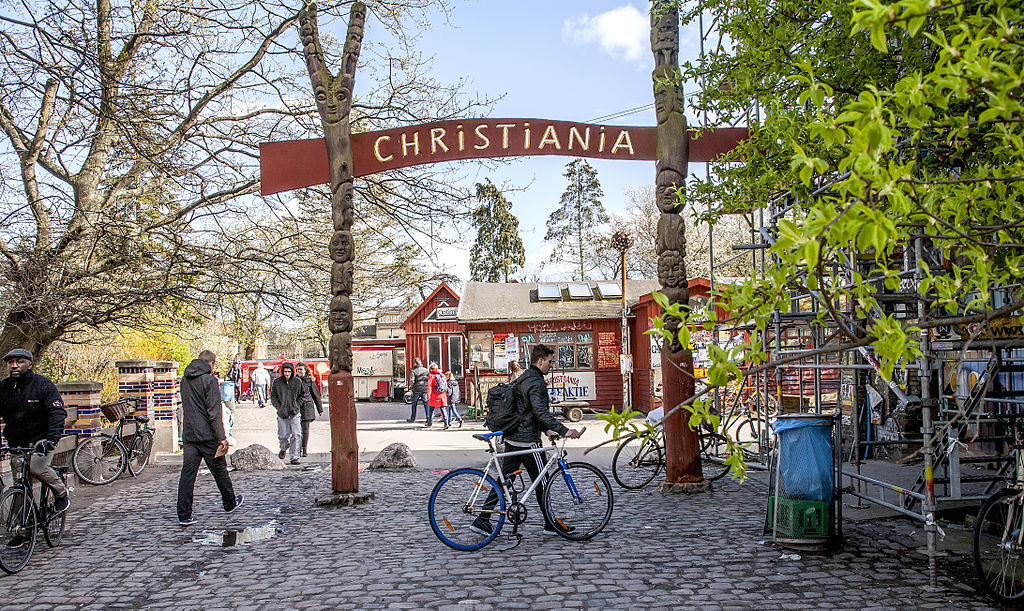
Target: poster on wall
{"type": "Point", "coordinates": [372, 363]}
{"type": "Point", "coordinates": [501, 356]}
{"type": "Point", "coordinates": [572, 386]}
{"type": "Point", "coordinates": [511, 349]}
{"type": "Point", "coordinates": [607, 350]}
{"type": "Point", "coordinates": [480, 349]}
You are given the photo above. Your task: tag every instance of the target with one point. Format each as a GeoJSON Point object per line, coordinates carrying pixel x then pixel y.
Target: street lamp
{"type": "Point", "coordinates": [621, 241]}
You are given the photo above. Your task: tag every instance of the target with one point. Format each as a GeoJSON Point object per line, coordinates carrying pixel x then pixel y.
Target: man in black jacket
{"type": "Point", "coordinates": [419, 389]}
{"type": "Point", "coordinates": [33, 413]}
{"type": "Point", "coordinates": [531, 393]}
{"type": "Point", "coordinates": [203, 436]}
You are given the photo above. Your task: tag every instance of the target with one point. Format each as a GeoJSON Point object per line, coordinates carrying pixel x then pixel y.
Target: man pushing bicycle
{"type": "Point", "coordinates": [33, 413]}
{"type": "Point", "coordinates": [531, 397]}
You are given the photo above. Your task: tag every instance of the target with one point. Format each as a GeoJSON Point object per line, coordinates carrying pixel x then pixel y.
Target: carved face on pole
{"type": "Point", "coordinates": [671, 270]}
{"type": "Point", "coordinates": [341, 278]}
{"type": "Point", "coordinates": [671, 233]}
{"type": "Point", "coordinates": [668, 98]}
{"type": "Point", "coordinates": [341, 248]}
{"type": "Point", "coordinates": [341, 352]}
{"type": "Point", "coordinates": [340, 318]}
{"type": "Point", "coordinates": [666, 193]}
{"type": "Point", "coordinates": [343, 206]}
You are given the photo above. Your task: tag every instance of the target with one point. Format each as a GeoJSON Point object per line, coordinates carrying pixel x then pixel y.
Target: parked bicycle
{"type": "Point", "coordinates": [640, 458]}
{"type": "Point", "coordinates": [999, 532]}
{"type": "Point", "coordinates": [102, 458]}
{"type": "Point", "coordinates": [21, 518]}
{"type": "Point", "coordinates": [577, 498]}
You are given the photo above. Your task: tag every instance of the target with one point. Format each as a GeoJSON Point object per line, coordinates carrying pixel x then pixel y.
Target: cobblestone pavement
{"type": "Point", "coordinates": [125, 550]}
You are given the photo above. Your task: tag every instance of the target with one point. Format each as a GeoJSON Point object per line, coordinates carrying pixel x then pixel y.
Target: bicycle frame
{"type": "Point", "coordinates": [557, 457]}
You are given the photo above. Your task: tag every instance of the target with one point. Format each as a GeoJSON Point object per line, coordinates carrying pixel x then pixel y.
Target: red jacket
{"type": "Point", "coordinates": [434, 398]}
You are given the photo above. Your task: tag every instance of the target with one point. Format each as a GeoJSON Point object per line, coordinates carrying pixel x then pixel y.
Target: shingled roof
{"type": "Point", "coordinates": [501, 301]}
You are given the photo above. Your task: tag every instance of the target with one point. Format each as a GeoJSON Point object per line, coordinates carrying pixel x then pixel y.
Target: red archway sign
{"type": "Point", "coordinates": [294, 164]}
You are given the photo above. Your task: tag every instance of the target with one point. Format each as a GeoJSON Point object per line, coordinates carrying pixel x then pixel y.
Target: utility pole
{"type": "Point", "coordinates": [621, 241]}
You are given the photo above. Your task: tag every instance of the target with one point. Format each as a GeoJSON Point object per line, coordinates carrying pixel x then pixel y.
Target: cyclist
{"type": "Point", "coordinates": [33, 414]}
{"type": "Point", "coordinates": [531, 396]}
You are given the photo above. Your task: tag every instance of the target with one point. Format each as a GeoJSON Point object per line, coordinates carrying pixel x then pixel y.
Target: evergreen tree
{"type": "Point", "coordinates": [575, 225]}
{"type": "Point", "coordinates": [498, 251]}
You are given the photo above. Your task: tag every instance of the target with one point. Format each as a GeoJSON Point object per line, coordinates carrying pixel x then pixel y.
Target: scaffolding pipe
{"type": "Point", "coordinates": [927, 428]}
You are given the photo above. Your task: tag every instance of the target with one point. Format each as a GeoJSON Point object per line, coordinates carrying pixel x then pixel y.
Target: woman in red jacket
{"type": "Point", "coordinates": [437, 394]}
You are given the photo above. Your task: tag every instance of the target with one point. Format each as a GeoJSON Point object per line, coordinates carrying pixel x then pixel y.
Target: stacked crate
{"type": "Point", "coordinates": [135, 381]}
{"type": "Point", "coordinates": [156, 384]}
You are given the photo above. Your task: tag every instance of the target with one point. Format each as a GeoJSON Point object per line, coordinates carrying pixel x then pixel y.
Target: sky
{"type": "Point", "coordinates": [563, 60]}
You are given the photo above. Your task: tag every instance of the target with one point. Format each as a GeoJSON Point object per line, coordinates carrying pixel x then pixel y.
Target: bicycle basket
{"type": "Point", "coordinates": [116, 410]}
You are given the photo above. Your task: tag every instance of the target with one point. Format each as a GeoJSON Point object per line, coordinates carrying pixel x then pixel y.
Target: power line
{"type": "Point", "coordinates": [622, 113]}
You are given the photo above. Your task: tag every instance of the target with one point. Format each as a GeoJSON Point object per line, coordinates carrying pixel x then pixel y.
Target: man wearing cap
{"type": "Point", "coordinates": [33, 413]}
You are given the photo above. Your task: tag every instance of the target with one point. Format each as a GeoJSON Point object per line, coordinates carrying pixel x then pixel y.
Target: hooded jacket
{"type": "Point", "coordinates": [201, 413]}
{"type": "Point", "coordinates": [32, 410]}
{"type": "Point", "coordinates": [284, 394]}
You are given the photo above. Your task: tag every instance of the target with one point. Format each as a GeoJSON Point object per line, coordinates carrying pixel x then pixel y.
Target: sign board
{"type": "Point", "coordinates": [295, 164]}
{"type": "Point", "coordinates": [447, 313]}
{"type": "Point", "coordinates": [625, 364]}
{"type": "Point", "coordinates": [607, 350]}
{"type": "Point", "coordinates": [372, 362]}
{"type": "Point", "coordinates": [573, 386]}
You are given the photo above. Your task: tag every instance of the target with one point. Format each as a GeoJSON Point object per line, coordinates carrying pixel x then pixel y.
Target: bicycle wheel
{"type": "Point", "coordinates": [714, 449]}
{"type": "Point", "coordinates": [578, 501]}
{"type": "Point", "coordinates": [998, 545]}
{"type": "Point", "coordinates": [457, 501]}
{"type": "Point", "coordinates": [100, 459]}
{"type": "Point", "coordinates": [18, 537]}
{"type": "Point", "coordinates": [53, 525]}
{"type": "Point", "coordinates": [637, 462]}
{"type": "Point", "coordinates": [139, 452]}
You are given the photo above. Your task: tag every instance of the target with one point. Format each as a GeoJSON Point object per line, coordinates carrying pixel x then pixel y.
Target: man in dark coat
{"type": "Point", "coordinates": [284, 394]}
{"type": "Point", "coordinates": [33, 414]}
{"type": "Point", "coordinates": [203, 436]}
{"type": "Point", "coordinates": [419, 389]}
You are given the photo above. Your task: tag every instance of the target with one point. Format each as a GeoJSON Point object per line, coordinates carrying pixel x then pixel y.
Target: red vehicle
{"type": "Point", "coordinates": [319, 367]}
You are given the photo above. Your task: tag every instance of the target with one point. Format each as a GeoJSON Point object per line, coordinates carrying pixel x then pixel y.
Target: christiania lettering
{"type": "Point", "coordinates": [498, 137]}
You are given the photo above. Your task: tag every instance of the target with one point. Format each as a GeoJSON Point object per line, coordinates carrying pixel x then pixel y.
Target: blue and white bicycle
{"type": "Point", "coordinates": [577, 499]}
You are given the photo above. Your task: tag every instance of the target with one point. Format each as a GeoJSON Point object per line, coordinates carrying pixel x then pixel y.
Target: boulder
{"type": "Point", "coordinates": [256, 458]}
{"type": "Point", "coordinates": [395, 456]}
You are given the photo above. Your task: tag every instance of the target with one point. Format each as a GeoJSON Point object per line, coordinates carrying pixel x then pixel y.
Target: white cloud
{"type": "Point", "coordinates": [622, 33]}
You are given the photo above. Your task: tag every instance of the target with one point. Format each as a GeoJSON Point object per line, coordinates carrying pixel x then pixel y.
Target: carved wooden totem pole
{"type": "Point", "coordinates": [681, 446]}
{"type": "Point", "coordinates": [334, 102]}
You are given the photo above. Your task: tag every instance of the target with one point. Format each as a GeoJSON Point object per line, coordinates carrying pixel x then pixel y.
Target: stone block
{"type": "Point", "coordinates": [395, 456]}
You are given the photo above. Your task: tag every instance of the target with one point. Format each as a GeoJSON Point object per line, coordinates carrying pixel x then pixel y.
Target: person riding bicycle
{"type": "Point", "coordinates": [531, 396]}
{"type": "Point", "coordinates": [33, 414]}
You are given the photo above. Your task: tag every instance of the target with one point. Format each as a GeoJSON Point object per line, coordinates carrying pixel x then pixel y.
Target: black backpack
{"type": "Point", "coordinates": [502, 407]}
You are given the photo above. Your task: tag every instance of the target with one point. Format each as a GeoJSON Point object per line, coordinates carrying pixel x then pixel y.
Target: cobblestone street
{"type": "Point", "coordinates": [126, 550]}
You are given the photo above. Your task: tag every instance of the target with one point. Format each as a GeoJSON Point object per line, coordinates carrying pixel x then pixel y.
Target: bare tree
{"type": "Point", "coordinates": [131, 139]}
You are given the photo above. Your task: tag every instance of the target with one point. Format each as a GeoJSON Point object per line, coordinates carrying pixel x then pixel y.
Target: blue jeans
{"type": "Point", "coordinates": [449, 413]}
{"type": "Point", "coordinates": [420, 396]}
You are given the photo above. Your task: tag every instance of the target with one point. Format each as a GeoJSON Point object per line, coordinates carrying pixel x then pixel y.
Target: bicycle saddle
{"type": "Point", "coordinates": [486, 436]}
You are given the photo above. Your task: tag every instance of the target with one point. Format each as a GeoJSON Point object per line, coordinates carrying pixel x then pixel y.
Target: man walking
{"type": "Point", "coordinates": [33, 414]}
{"type": "Point", "coordinates": [419, 389]}
{"type": "Point", "coordinates": [531, 396]}
{"type": "Point", "coordinates": [203, 436]}
{"type": "Point", "coordinates": [260, 382]}
{"type": "Point", "coordinates": [284, 395]}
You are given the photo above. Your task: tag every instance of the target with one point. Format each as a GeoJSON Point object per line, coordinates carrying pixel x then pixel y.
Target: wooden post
{"type": "Point", "coordinates": [682, 452]}
{"type": "Point", "coordinates": [333, 95]}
